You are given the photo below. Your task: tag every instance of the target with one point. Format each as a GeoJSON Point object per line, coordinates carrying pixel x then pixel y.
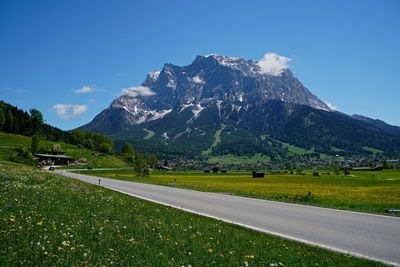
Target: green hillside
{"type": "Point", "coordinates": [9, 141]}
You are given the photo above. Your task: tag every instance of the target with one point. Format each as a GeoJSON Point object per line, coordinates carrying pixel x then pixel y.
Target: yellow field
{"type": "Point", "coordinates": [364, 191]}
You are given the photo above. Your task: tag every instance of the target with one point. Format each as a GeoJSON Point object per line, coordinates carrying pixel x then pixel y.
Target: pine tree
{"type": "Point", "coordinates": [152, 160]}
{"type": "Point", "coordinates": [127, 149]}
{"type": "Point", "coordinates": [140, 166]}
{"type": "Point", "coordinates": [9, 121]}
{"type": "Point", "coordinates": [35, 144]}
{"type": "Point", "coordinates": [2, 118]}
{"type": "Point", "coordinates": [37, 119]}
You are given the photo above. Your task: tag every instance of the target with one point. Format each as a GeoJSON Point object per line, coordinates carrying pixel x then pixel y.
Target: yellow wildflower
{"type": "Point", "coordinates": [12, 218]}
{"type": "Point", "coordinates": [39, 223]}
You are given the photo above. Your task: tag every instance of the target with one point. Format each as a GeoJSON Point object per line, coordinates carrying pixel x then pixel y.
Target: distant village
{"type": "Point", "coordinates": [356, 163]}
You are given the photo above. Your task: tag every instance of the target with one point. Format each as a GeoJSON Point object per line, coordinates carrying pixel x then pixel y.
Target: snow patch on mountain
{"type": "Point", "coordinates": [331, 106]}
{"type": "Point", "coordinates": [154, 75]}
{"type": "Point", "coordinates": [159, 115]}
{"type": "Point", "coordinates": [196, 79]}
{"type": "Point", "coordinates": [165, 136]}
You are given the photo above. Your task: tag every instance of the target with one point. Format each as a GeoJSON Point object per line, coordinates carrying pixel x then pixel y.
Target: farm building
{"type": "Point", "coordinates": [377, 168]}
{"type": "Point", "coordinates": [164, 168]}
{"type": "Point", "coordinates": [48, 159]}
{"type": "Point", "coordinates": [215, 169]}
{"type": "Point", "coordinates": [257, 174]}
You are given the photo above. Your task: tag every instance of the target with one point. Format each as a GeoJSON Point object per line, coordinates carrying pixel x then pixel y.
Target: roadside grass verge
{"type": "Point", "coordinates": [47, 220]}
{"type": "Point", "coordinates": [365, 191]}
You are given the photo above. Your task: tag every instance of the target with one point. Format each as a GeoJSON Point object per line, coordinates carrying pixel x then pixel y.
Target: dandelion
{"type": "Point", "coordinates": [39, 223]}
{"type": "Point", "coordinates": [249, 256]}
{"type": "Point", "coordinates": [12, 218]}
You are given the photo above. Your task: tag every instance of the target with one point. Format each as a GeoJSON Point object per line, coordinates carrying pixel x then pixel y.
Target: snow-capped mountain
{"type": "Point", "coordinates": [223, 104]}
{"type": "Point", "coordinates": [229, 83]}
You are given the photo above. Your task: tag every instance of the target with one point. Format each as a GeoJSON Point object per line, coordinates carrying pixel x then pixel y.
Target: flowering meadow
{"type": "Point", "coordinates": [50, 220]}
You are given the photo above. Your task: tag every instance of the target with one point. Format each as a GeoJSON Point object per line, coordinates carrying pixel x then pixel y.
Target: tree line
{"type": "Point", "coordinates": [17, 121]}
{"type": "Point", "coordinates": [140, 162]}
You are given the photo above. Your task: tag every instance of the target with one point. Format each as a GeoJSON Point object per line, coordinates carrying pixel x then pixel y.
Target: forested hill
{"type": "Point", "coordinates": [17, 121]}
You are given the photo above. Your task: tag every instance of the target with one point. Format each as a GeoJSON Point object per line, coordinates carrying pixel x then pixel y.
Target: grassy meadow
{"type": "Point", "coordinates": [361, 191]}
{"type": "Point", "coordinates": [50, 220]}
{"type": "Point", "coordinates": [9, 141]}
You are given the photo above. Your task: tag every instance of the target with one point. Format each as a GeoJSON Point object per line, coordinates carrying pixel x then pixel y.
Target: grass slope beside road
{"type": "Point", "coordinates": [47, 219]}
{"type": "Point", "coordinates": [361, 191]}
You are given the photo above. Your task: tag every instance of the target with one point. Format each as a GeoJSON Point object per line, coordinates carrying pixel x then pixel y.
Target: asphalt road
{"type": "Point", "coordinates": [360, 234]}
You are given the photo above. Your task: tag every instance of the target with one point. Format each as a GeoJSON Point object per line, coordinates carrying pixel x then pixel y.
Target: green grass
{"type": "Point", "coordinates": [336, 149]}
{"type": "Point", "coordinates": [50, 220]}
{"type": "Point", "coordinates": [297, 150]}
{"type": "Point", "coordinates": [217, 140]}
{"type": "Point", "coordinates": [372, 149]}
{"type": "Point", "coordinates": [361, 191]}
{"type": "Point", "coordinates": [149, 135]}
{"type": "Point", "coordinates": [233, 159]}
{"type": "Point", "coordinates": [9, 141]}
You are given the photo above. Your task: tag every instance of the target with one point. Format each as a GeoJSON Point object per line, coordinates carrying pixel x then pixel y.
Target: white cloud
{"type": "Point", "coordinates": [197, 79]}
{"type": "Point", "coordinates": [85, 90]}
{"type": "Point", "coordinates": [68, 111]}
{"type": "Point", "coordinates": [273, 64]}
{"type": "Point", "coordinates": [331, 106]}
{"type": "Point", "coordinates": [135, 91]}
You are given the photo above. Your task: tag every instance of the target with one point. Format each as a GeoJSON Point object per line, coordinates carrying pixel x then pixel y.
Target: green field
{"type": "Point", "coordinates": [361, 191]}
{"type": "Point", "coordinates": [47, 219]}
{"type": "Point", "coordinates": [9, 141]}
{"type": "Point", "coordinates": [233, 159]}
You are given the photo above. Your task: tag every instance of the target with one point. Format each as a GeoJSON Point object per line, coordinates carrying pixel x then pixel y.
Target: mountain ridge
{"type": "Point", "coordinates": [184, 106]}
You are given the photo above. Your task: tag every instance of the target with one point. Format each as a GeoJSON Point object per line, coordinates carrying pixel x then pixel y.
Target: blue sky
{"type": "Point", "coordinates": [346, 52]}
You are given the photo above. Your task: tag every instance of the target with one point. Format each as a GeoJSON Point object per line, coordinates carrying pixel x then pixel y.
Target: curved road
{"type": "Point", "coordinates": [360, 234]}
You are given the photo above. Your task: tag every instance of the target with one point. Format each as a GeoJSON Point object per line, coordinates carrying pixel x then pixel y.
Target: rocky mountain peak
{"type": "Point", "coordinates": [231, 84]}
